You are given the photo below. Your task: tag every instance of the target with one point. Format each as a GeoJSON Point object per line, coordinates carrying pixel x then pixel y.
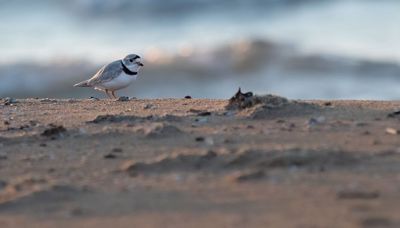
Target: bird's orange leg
{"type": "Point", "coordinates": [108, 95]}
{"type": "Point", "coordinates": [113, 93]}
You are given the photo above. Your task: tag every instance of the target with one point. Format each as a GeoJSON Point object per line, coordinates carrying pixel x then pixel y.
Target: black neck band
{"type": "Point", "coordinates": [126, 70]}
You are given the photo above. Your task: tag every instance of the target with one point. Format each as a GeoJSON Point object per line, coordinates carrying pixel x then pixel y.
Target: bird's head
{"type": "Point", "coordinates": [133, 62]}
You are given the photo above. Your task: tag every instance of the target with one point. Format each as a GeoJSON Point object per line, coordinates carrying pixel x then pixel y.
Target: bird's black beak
{"type": "Point", "coordinates": [140, 64]}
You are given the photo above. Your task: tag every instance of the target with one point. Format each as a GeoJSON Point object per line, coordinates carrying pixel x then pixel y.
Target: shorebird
{"type": "Point", "coordinates": [115, 76]}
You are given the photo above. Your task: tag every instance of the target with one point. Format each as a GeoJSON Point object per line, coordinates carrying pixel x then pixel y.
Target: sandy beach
{"type": "Point", "coordinates": [260, 162]}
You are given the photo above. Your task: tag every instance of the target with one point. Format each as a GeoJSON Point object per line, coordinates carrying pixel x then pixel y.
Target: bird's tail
{"type": "Point", "coordinates": [82, 84]}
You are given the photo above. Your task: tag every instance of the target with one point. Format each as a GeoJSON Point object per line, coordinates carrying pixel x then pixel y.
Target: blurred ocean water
{"type": "Point", "coordinates": [310, 49]}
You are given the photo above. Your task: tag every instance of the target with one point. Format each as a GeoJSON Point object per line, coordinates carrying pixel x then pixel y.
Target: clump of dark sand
{"type": "Point", "coordinates": [54, 131]}
{"type": "Point", "coordinates": [242, 101]}
{"type": "Point", "coordinates": [267, 106]}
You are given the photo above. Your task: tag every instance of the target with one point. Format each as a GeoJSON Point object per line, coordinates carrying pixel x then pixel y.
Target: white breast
{"type": "Point", "coordinates": [120, 82]}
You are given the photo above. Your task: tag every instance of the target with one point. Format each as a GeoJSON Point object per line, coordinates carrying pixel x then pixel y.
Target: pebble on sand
{"type": "Point", "coordinates": [54, 130]}
{"type": "Point", "coordinates": [392, 131]}
{"type": "Point", "coordinates": [123, 99]}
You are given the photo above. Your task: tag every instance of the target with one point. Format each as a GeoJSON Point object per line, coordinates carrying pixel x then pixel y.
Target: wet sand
{"type": "Point", "coordinates": [195, 163]}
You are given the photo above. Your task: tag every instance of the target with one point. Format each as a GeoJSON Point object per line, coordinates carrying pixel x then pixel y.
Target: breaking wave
{"type": "Point", "coordinates": [258, 65]}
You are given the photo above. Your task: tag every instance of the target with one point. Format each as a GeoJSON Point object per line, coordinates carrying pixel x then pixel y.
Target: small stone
{"type": "Point", "coordinates": [328, 103]}
{"type": "Point", "coordinates": [361, 124]}
{"type": "Point", "coordinates": [392, 131]}
{"type": "Point", "coordinates": [200, 139]}
{"type": "Point", "coordinates": [202, 120]}
{"type": "Point", "coordinates": [148, 106]}
{"type": "Point", "coordinates": [188, 97]}
{"type": "Point", "coordinates": [54, 131]}
{"type": "Point", "coordinates": [123, 99]}
{"type": "Point", "coordinates": [209, 141]}
{"type": "Point", "coordinates": [110, 156]}
{"type": "Point", "coordinates": [204, 113]}
{"type": "Point", "coordinates": [94, 98]}
{"type": "Point", "coordinates": [22, 127]}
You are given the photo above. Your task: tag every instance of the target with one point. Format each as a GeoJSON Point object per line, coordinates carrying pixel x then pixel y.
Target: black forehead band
{"type": "Point", "coordinates": [137, 57]}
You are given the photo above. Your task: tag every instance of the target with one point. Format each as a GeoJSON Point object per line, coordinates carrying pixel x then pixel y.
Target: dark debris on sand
{"type": "Point", "coordinates": [394, 114]}
{"type": "Point", "coordinates": [110, 156]}
{"type": "Point", "coordinates": [268, 106]}
{"type": "Point", "coordinates": [242, 101]}
{"type": "Point", "coordinates": [123, 99]}
{"type": "Point", "coordinates": [54, 131]}
{"type": "Point", "coordinates": [200, 112]}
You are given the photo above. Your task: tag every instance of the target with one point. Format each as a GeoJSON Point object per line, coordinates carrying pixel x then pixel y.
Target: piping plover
{"type": "Point", "coordinates": [114, 76]}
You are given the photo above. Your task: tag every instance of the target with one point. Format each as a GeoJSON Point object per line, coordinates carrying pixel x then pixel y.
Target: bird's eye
{"type": "Point", "coordinates": [131, 60]}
